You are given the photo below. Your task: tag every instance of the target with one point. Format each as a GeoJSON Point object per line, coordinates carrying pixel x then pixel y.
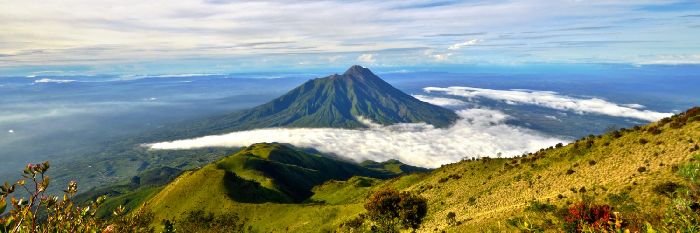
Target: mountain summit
{"type": "Point", "coordinates": [336, 101]}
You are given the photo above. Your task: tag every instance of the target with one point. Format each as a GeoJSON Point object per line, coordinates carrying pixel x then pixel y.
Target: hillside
{"type": "Point", "coordinates": [624, 169]}
{"type": "Point", "coordinates": [258, 177]}
{"type": "Point", "coordinates": [621, 168]}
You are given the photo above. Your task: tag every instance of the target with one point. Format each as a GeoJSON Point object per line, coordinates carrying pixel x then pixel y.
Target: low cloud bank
{"type": "Point", "coordinates": [439, 101]}
{"type": "Point", "coordinates": [48, 80]}
{"type": "Point", "coordinates": [479, 132]}
{"type": "Point", "coordinates": [554, 100]}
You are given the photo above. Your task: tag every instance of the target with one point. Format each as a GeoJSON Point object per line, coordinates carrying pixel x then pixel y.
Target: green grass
{"type": "Point", "coordinates": [129, 201]}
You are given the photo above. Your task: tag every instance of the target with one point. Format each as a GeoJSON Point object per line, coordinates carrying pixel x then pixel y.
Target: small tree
{"type": "Point", "coordinates": [389, 209]}
{"type": "Point", "coordinates": [58, 214]}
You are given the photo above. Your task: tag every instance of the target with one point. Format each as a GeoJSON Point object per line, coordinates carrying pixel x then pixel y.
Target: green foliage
{"type": "Point", "coordinates": [622, 201]}
{"type": "Point", "coordinates": [691, 171]}
{"type": "Point", "coordinates": [684, 213]}
{"type": "Point", "coordinates": [199, 221]}
{"type": "Point", "coordinates": [451, 218]}
{"type": "Point", "coordinates": [539, 207]}
{"type": "Point", "coordinates": [389, 208]}
{"type": "Point", "coordinates": [38, 211]}
{"type": "Point", "coordinates": [667, 188]}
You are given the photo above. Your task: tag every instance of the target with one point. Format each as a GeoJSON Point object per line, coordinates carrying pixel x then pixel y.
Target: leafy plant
{"type": "Point", "coordinates": [584, 215]}
{"type": "Point", "coordinates": [37, 211]}
{"type": "Point", "coordinates": [389, 208]}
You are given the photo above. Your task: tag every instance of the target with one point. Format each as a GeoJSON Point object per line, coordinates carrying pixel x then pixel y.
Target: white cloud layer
{"type": "Point", "coordinates": [554, 100]}
{"type": "Point", "coordinates": [480, 132]}
{"type": "Point", "coordinates": [48, 80]}
{"type": "Point", "coordinates": [439, 101]}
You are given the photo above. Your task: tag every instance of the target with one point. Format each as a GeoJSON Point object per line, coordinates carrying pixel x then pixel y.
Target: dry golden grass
{"type": "Point", "coordinates": [503, 189]}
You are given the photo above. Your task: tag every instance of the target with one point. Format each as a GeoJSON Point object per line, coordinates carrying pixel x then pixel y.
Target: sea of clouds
{"type": "Point", "coordinates": [553, 100]}
{"type": "Point", "coordinates": [480, 131]}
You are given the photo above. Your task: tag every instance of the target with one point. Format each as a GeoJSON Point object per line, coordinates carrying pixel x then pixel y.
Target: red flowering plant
{"type": "Point", "coordinates": [583, 216]}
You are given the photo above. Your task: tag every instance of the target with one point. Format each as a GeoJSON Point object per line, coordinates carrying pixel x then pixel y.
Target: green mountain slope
{"type": "Point", "coordinates": [334, 101]}
{"type": "Point", "coordinates": [260, 173]}
{"type": "Point", "coordinates": [627, 169]}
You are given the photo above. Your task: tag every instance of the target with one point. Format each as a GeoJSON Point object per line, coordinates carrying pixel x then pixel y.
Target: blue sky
{"type": "Point", "coordinates": [70, 37]}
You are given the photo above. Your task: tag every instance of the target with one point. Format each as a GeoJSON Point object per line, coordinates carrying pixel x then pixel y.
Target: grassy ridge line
{"type": "Point", "coordinates": [261, 193]}
{"type": "Point", "coordinates": [500, 184]}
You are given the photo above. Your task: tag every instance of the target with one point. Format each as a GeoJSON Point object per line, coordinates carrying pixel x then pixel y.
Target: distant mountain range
{"type": "Point", "coordinates": [336, 101]}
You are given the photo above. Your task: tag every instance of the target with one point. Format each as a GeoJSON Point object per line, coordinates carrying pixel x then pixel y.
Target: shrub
{"type": "Point", "coordinates": [451, 218]}
{"type": "Point", "coordinates": [472, 201]}
{"type": "Point", "coordinates": [616, 134]}
{"type": "Point", "coordinates": [570, 171]}
{"type": "Point", "coordinates": [583, 215]}
{"type": "Point", "coordinates": [643, 141]}
{"type": "Point", "coordinates": [539, 207]}
{"type": "Point", "coordinates": [59, 214]}
{"type": "Point", "coordinates": [642, 169]}
{"type": "Point", "coordinates": [691, 171]}
{"type": "Point", "coordinates": [591, 162]}
{"type": "Point", "coordinates": [654, 130]}
{"type": "Point", "coordinates": [622, 201]}
{"type": "Point", "coordinates": [199, 221]}
{"type": "Point", "coordinates": [666, 188]}
{"type": "Point", "coordinates": [389, 208]}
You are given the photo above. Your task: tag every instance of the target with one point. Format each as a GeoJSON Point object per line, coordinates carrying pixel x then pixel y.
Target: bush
{"type": "Point", "coordinates": [570, 171]}
{"type": "Point", "coordinates": [622, 201]}
{"type": "Point", "coordinates": [641, 169]}
{"type": "Point", "coordinates": [643, 141]}
{"type": "Point", "coordinates": [199, 221]}
{"type": "Point", "coordinates": [539, 207]}
{"type": "Point", "coordinates": [666, 188]}
{"type": "Point", "coordinates": [389, 208]}
{"type": "Point", "coordinates": [451, 218]}
{"type": "Point", "coordinates": [654, 130]}
{"type": "Point", "coordinates": [583, 215]}
{"type": "Point", "coordinates": [42, 212]}
{"type": "Point", "coordinates": [472, 201]}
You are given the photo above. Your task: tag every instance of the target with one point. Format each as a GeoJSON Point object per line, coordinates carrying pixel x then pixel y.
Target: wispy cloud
{"type": "Point", "coordinates": [554, 100]}
{"type": "Point", "coordinates": [480, 132]}
{"type": "Point", "coordinates": [439, 101]}
{"type": "Point", "coordinates": [670, 59]}
{"type": "Point", "coordinates": [133, 32]}
{"type": "Point", "coordinates": [48, 80]}
{"type": "Point", "coordinates": [463, 44]}
{"type": "Point", "coordinates": [367, 58]}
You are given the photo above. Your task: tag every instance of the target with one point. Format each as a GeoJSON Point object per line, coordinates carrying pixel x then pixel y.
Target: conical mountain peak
{"type": "Point", "coordinates": [357, 71]}
{"type": "Point", "coordinates": [338, 101]}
